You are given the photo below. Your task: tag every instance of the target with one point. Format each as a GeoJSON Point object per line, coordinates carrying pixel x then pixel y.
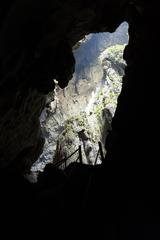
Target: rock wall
{"type": "Point", "coordinates": [132, 146]}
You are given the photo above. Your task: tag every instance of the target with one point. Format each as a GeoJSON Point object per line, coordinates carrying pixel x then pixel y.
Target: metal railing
{"type": "Point", "coordinates": [57, 161]}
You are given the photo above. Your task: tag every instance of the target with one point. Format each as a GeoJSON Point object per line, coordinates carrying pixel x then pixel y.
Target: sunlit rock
{"type": "Point", "coordinates": [88, 103]}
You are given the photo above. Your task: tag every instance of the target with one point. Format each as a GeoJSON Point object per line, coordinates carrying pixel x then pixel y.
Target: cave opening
{"type": "Point", "coordinates": [79, 117]}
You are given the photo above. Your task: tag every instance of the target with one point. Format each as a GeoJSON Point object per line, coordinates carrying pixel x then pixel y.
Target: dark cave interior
{"type": "Point", "coordinates": [116, 200]}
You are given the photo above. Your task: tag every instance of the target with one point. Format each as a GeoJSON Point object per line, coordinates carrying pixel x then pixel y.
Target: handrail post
{"type": "Point", "coordinates": [95, 162]}
{"type": "Point", "coordinates": [101, 151]}
{"type": "Point", "coordinates": [80, 154]}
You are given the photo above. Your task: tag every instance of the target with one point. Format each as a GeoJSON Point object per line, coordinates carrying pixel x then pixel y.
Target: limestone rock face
{"type": "Point", "coordinates": [81, 114]}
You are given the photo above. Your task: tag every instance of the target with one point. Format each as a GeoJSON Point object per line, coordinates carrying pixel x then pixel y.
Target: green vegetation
{"type": "Point", "coordinates": [68, 127]}
{"type": "Point", "coordinates": [80, 119]}
{"type": "Point", "coordinates": [98, 109]}
{"type": "Point", "coordinates": [115, 53]}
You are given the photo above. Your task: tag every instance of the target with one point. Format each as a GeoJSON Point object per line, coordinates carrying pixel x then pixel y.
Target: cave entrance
{"type": "Point", "coordinates": [81, 114]}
